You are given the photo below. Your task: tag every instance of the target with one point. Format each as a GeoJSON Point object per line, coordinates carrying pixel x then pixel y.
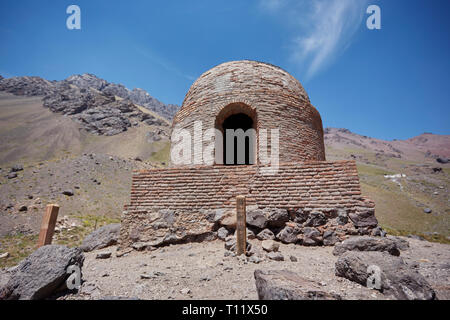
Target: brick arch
{"type": "Point", "coordinates": [233, 109]}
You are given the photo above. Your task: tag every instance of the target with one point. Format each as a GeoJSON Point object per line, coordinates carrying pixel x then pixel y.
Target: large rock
{"type": "Point", "coordinates": [270, 245]}
{"type": "Point", "coordinates": [366, 243]}
{"type": "Point", "coordinates": [311, 237]}
{"type": "Point", "coordinates": [365, 218]}
{"type": "Point", "coordinates": [266, 234]}
{"type": "Point", "coordinates": [42, 273]}
{"type": "Point", "coordinates": [101, 238]}
{"type": "Point", "coordinates": [288, 235]}
{"type": "Point", "coordinates": [316, 219]}
{"type": "Point", "coordinates": [277, 218]}
{"type": "Point", "coordinates": [396, 278]}
{"type": "Point", "coordinates": [287, 285]}
{"type": "Point", "coordinates": [257, 218]}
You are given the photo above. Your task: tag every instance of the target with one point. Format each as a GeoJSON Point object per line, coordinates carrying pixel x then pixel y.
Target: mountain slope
{"type": "Point", "coordinates": [400, 200]}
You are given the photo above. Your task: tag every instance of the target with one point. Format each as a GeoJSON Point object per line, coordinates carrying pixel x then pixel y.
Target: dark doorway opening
{"type": "Point", "coordinates": [234, 122]}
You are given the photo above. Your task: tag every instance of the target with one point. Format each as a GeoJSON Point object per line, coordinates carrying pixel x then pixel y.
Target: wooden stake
{"type": "Point", "coordinates": [241, 230]}
{"type": "Point", "coordinates": [48, 225]}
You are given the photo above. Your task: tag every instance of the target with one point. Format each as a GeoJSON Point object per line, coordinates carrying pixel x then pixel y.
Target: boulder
{"type": "Point", "coordinates": [396, 279]}
{"type": "Point", "coordinates": [256, 218]}
{"type": "Point", "coordinates": [316, 219]}
{"type": "Point", "coordinates": [311, 237]}
{"type": "Point", "coordinates": [266, 234]}
{"type": "Point", "coordinates": [276, 256]}
{"type": "Point", "coordinates": [227, 218]}
{"type": "Point", "coordinates": [330, 238]}
{"type": "Point", "coordinates": [299, 215]}
{"type": "Point", "coordinates": [402, 244]}
{"type": "Point", "coordinates": [101, 238]}
{"type": "Point", "coordinates": [287, 285]}
{"type": "Point", "coordinates": [288, 235]}
{"type": "Point", "coordinates": [364, 218]}
{"type": "Point", "coordinates": [270, 245]}
{"type": "Point", "coordinates": [277, 218]}
{"type": "Point", "coordinates": [366, 243]}
{"type": "Point", "coordinates": [42, 273]}
{"type": "Point", "coordinates": [222, 233]}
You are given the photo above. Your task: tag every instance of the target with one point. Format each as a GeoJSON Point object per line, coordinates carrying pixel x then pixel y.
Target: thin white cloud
{"type": "Point", "coordinates": [155, 58]}
{"type": "Point", "coordinates": [322, 29]}
{"type": "Point", "coordinates": [272, 5]}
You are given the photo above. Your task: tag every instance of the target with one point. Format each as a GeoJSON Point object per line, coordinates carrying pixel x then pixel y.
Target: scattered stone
{"type": "Point", "coordinates": [330, 238]}
{"type": "Point", "coordinates": [185, 291]}
{"type": "Point", "coordinates": [366, 243]}
{"type": "Point", "coordinates": [442, 160]}
{"type": "Point", "coordinates": [396, 278]}
{"type": "Point", "coordinates": [277, 218]}
{"type": "Point", "coordinates": [288, 235]}
{"type": "Point", "coordinates": [250, 234]}
{"type": "Point", "coordinates": [287, 285]}
{"type": "Point", "coordinates": [266, 234]}
{"type": "Point", "coordinates": [427, 210]}
{"type": "Point", "coordinates": [121, 253]}
{"type": "Point", "coordinates": [230, 243]}
{"type": "Point", "coordinates": [103, 255]}
{"type": "Point", "coordinates": [401, 244]}
{"type": "Point", "coordinates": [42, 273]}
{"type": "Point", "coordinates": [68, 192]}
{"type": "Point", "coordinates": [311, 237]}
{"type": "Point", "coordinates": [101, 238]}
{"type": "Point", "coordinates": [17, 168]}
{"type": "Point", "coordinates": [227, 218]}
{"type": "Point", "coordinates": [12, 175]}
{"type": "Point", "coordinates": [364, 219]}
{"type": "Point", "coordinates": [276, 256]}
{"type": "Point", "coordinates": [256, 218]}
{"type": "Point", "coordinates": [293, 259]}
{"type": "Point", "coordinates": [316, 219]}
{"type": "Point", "coordinates": [270, 245]}
{"type": "Point", "coordinates": [222, 233]}
{"type": "Point", "coordinates": [23, 208]}
{"type": "Point", "coordinates": [4, 255]}
{"type": "Point", "coordinates": [255, 259]}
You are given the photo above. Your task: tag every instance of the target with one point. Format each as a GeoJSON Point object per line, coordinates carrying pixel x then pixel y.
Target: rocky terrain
{"type": "Point", "coordinates": [76, 142]}
{"type": "Point", "coordinates": [102, 107]}
{"type": "Point", "coordinates": [407, 179]}
{"type": "Point", "coordinates": [285, 271]}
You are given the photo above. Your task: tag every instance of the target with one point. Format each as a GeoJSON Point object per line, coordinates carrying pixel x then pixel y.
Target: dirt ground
{"type": "Point", "coordinates": [202, 271]}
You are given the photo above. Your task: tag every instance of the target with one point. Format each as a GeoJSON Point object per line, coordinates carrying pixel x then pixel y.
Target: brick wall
{"type": "Point", "coordinates": [322, 186]}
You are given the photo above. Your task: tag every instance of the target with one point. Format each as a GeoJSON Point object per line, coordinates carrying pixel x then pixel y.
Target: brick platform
{"type": "Point", "coordinates": [187, 195]}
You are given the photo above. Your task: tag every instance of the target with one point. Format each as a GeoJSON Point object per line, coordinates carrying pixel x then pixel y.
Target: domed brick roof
{"type": "Point", "coordinates": [266, 93]}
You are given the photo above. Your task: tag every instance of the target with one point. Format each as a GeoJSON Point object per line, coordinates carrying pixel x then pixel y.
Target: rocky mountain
{"type": "Point", "coordinates": [99, 106]}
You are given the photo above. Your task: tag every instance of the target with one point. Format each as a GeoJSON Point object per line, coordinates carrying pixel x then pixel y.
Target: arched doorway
{"type": "Point", "coordinates": [237, 122]}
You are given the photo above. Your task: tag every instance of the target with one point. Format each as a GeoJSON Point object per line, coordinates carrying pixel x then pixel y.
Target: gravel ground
{"type": "Point", "coordinates": [201, 271]}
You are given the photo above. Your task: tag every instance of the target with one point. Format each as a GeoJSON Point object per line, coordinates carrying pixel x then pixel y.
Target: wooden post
{"type": "Point", "coordinates": [241, 230]}
{"type": "Point", "coordinates": [48, 225]}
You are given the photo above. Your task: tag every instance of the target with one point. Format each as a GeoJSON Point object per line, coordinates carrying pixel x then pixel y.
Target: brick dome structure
{"type": "Point", "coordinates": [263, 96]}
{"type": "Point", "coordinates": [302, 198]}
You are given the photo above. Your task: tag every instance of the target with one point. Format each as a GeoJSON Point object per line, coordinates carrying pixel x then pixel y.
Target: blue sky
{"type": "Point", "coordinates": [392, 83]}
